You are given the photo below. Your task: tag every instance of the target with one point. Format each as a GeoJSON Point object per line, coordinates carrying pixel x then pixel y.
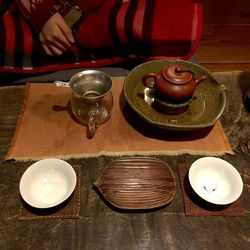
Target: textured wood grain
{"type": "Point", "coordinates": [225, 42]}
{"type": "Point", "coordinates": [137, 183]}
{"type": "Point", "coordinates": [100, 226]}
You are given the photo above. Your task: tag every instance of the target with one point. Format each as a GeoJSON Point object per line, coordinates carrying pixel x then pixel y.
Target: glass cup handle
{"type": "Point", "coordinates": [92, 125]}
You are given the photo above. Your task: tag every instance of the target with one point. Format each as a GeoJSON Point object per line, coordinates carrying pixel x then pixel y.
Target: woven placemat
{"type": "Point", "coordinates": [67, 210]}
{"type": "Point", "coordinates": [196, 206]}
{"type": "Point", "coordinates": [46, 129]}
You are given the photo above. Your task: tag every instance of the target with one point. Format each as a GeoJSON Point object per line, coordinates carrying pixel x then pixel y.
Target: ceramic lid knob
{"type": "Point", "coordinates": [176, 74]}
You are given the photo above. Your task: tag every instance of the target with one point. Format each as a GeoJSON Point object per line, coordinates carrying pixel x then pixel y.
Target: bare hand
{"type": "Point", "coordinates": [56, 36]}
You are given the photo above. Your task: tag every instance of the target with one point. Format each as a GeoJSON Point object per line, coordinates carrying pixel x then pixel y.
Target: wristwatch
{"type": "Point", "coordinates": [71, 13]}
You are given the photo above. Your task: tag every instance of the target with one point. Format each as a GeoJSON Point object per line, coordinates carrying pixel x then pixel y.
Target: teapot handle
{"type": "Point", "coordinates": [149, 84]}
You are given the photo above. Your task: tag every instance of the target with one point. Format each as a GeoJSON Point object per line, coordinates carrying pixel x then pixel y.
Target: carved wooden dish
{"type": "Point", "coordinates": [137, 183]}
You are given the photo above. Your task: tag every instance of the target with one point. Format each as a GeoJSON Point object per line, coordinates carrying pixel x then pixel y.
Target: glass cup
{"type": "Point", "coordinates": [91, 99]}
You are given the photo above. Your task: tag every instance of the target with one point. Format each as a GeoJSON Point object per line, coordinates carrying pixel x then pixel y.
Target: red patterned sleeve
{"type": "Point", "coordinates": [89, 5]}
{"type": "Point", "coordinates": [37, 11]}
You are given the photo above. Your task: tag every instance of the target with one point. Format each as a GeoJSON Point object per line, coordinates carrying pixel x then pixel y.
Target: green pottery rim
{"type": "Point", "coordinates": [207, 107]}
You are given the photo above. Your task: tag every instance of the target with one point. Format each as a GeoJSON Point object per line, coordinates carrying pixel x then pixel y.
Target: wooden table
{"type": "Point", "coordinates": [225, 41]}
{"type": "Point", "coordinates": [100, 226]}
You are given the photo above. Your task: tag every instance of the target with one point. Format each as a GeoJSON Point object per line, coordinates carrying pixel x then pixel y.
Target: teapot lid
{"type": "Point", "coordinates": [177, 74]}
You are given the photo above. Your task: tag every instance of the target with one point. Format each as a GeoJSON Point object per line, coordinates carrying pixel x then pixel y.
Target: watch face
{"type": "Point", "coordinates": [73, 16]}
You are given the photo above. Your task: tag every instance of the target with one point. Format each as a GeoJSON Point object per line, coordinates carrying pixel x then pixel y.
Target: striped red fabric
{"type": "Point", "coordinates": [119, 23]}
{"type": "Point", "coordinates": [115, 32]}
{"type": "Point", "coordinates": [10, 33]}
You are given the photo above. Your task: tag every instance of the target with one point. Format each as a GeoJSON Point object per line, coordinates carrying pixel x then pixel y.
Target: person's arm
{"type": "Point", "coordinates": [54, 34]}
{"type": "Point", "coordinates": [37, 12]}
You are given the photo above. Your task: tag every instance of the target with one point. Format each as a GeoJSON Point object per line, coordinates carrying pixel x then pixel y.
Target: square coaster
{"type": "Point", "coordinates": [196, 206]}
{"type": "Point", "coordinates": [67, 210]}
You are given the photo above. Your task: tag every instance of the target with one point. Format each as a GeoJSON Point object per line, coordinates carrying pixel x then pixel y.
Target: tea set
{"type": "Point", "coordinates": [174, 82]}
{"type": "Point", "coordinates": [91, 99]}
{"type": "Point", "coordinates": [50, 182]}
{"type": "Point", "coordinates": [47, 183]}
{"type": "Point", "coordinates": [172, 88]}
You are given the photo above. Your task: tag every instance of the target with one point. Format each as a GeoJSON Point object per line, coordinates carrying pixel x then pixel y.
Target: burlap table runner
{"type": "Point", "coordinates": [196, 206]}
{"type": "Point", "coordinates": [46, 129]}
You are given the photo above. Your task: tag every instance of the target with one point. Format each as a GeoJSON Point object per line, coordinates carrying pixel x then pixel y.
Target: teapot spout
{"type": "Point", "coordinates": [201, 79]}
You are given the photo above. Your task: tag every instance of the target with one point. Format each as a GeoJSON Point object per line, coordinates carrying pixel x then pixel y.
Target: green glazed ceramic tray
{"type": "Point", "coordinates": [209, 98]}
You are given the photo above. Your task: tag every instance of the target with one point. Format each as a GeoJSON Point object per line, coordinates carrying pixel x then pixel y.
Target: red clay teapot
{"type": "Point", "coordinates": [174, 82]}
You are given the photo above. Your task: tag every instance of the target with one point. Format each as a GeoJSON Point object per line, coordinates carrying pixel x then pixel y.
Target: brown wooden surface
{"type": "Point", "coordinates": [225, 43]}
{"type": "Point", "coordinates": [100, 225]}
